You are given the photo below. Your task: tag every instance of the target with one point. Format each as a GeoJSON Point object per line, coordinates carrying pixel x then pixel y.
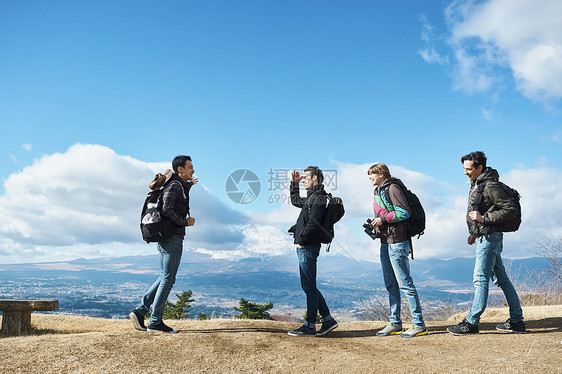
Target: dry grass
{"type": "Point", "coordinates": [68, 344]}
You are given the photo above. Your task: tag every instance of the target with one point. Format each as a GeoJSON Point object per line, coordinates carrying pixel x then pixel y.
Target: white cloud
{"type": "Point", "coordinates": [86, 202]}
{"type": "Point", "coordinates": [429, 52]}
{"type": "Point", "coordinates": [27, 147]}
{"type": "Point", "coordinates": [445, 205]}
{"type": "Point", "coordinates": [490, 38]}
{"type": "Point", "coordinates": [90, 197]}
{"type": "Point", "coordinates": [356, 191]}
{"type": "Point", "coordinates": [444, 210]}
{"type": "Point", "coordinates": [541, 198]}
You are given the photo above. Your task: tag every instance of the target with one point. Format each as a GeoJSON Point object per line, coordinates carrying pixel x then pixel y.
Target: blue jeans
{"type": "Point", "coordinates": [396, 273]}
{"type": "Point", "coordinates": [488, 265]}
{"type": "Point", "coordinates": [170, 257]}
{"type": "Point", "coordinates": [315, 302]}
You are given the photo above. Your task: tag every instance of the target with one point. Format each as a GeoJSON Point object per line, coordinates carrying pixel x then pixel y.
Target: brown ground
{"type": "Point", "coordinates": [68, 344]}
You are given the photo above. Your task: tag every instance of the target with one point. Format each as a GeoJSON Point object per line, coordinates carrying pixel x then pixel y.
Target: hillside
{"type": "Point", "coordinates": [91, 345]}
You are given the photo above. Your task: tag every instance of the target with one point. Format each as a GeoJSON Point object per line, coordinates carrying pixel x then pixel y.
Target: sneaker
{"type": "Point", "coordinates": [138, 320]}
{"type": "Point", "coordinates": [327, 327]}
{"type": "Point", "coordinates": [161, 327]}
{"type": "Point", "coordinates": [463, 328]}
{"type": "Point", "coordinates": [508, 326]}
{"type": "Point", "coordinates": [303, 331]}
{"type": "Point", "coordinates": [390, 329]}
{"type": "Point", "coordinates": [415, 331]}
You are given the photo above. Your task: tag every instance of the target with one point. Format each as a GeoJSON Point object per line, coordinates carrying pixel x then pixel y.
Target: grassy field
{"type": "Point", "coordinates": [69, 344]}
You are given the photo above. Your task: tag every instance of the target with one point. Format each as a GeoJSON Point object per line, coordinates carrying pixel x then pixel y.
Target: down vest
{"type": "Point", "coordinates": [176, 205]}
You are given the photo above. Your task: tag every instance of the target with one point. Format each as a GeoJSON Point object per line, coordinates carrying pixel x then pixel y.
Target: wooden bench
{"type": "Point", "coordinates": [17, 314]}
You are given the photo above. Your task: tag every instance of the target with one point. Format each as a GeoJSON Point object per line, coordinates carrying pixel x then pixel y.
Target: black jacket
{"type": "Point", "coordinates": [307, 228]}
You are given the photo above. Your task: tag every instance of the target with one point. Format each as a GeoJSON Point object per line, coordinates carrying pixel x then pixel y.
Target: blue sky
{"type": "Point", "coordinates": [90, 89]}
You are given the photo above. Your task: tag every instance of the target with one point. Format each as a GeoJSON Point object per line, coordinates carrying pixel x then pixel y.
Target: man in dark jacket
{"type": "Point", "coordinates": [307, 239]}
{"type": "Point", "coordinates": [175, 208]}
{"type": "Point", "coordinates": [483, 221]}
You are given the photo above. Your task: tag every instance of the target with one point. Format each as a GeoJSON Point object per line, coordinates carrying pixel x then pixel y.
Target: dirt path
{"type": "Point", "coordinates": [88, 345]}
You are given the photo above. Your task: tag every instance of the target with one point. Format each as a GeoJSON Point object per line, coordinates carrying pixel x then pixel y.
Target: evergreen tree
{"type": "Point", "coordinates": [251, 310]}
{"type": "Point", "coordinates": [318, 319]}
{"type": "Point", "coordinates": [179, 310]}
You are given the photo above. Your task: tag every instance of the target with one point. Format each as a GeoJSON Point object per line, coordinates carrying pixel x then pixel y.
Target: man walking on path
{"type": "Point", "coordinates": [175, 209]}
{"type": "Point", "coordinates": [307, 239]}
{"type": "Point", "coordinates": [483, 219]}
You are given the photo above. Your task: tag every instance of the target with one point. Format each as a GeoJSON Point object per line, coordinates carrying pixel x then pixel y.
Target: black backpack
{"type": "Point", "coordinates": [415, 225]}
{"type": "Point", "coordinates": [334, 212]}
{"type": "Point", "coordinates": [152, 224]}
{"type": "Point", "coordinates": [509, 225]}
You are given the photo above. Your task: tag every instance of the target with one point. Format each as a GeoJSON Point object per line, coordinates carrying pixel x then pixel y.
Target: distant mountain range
{"type": "Point", "coordinates": [110, 287]}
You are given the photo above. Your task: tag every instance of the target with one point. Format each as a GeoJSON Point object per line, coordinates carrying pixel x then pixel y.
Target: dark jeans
{"type": "Point", "coordinates": [315, 302]}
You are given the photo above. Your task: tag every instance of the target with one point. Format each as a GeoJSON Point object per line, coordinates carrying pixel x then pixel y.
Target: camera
{"type": "Point", "coordinates": [369, 229]}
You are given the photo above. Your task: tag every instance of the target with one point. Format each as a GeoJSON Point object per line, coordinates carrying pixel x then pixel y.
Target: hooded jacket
{"type": "Point", "coordinates": [392, 207]}
{"type": "Point", "coordinates": [307, 229]}
{"type": "Point", "coordinates": [495, 205]}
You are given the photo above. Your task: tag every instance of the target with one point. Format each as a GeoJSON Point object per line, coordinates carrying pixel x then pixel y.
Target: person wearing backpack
{"type": "Point", "coordinates": [308, 242]}
{"type": "Point", "coordinates": [391, 212]}
{"type": "Point", "coordinates": [175, 209]}
{"type": "Point", "coordinates": [489, 208]}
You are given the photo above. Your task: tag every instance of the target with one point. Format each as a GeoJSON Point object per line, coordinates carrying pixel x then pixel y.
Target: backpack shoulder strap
{"type": "Point", "coordinates": [387, 189]}
{"type": "Point", "coordinates": [309, 198]}
{"type": "Point", "coordinates": [478, 194]}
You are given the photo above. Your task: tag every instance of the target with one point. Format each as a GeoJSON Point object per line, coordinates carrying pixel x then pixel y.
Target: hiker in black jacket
{"type": "Point", "coordinates": [483, 221]}
{"type": "Point", "coordinates": [307, 239]}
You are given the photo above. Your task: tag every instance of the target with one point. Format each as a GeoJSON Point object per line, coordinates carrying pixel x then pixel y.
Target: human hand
{"type": "Point", "coordinates": [476, 216]}
{"type": "Point", "coordinates": [190, 221]}
{"type": "Point", "coordinates": [471, 239]}
{"type": "Point", "coordinates": [295, 176]}
{"type": "Point", "coordinates": [377, 222]}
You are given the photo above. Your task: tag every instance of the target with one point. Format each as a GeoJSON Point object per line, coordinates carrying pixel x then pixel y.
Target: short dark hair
{"type": "Point", "coordinates": [315, 170]}
{"type": "Point", "coordinates": [179, 161]}
{"type": "Point", "coordinates": [478, 158]}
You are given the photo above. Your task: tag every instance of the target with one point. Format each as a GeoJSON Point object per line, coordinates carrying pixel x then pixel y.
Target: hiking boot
{"type": "Point", "coordinates": [508, 326]}
{"type": "Point", "coordinates": [161, 327]}
{"type": "Point", "coordinates": [390, 329]}
{"type": "Point", "coordinates": [303, 331]}
{"type": "Point", "coordinates": [463, 328]}
{"type": "Point", "coordinates": [414, 331]}
{"type": "Point", "coordinates": [327, 327]}
{"type": "Point", "coordinates": [138, 320]}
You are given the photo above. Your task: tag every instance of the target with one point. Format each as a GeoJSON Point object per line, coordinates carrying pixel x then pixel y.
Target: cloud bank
{"type": "Point", "coordinates": [489, 40]}
{"type": "Point", "coordinates": [86, 202]}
